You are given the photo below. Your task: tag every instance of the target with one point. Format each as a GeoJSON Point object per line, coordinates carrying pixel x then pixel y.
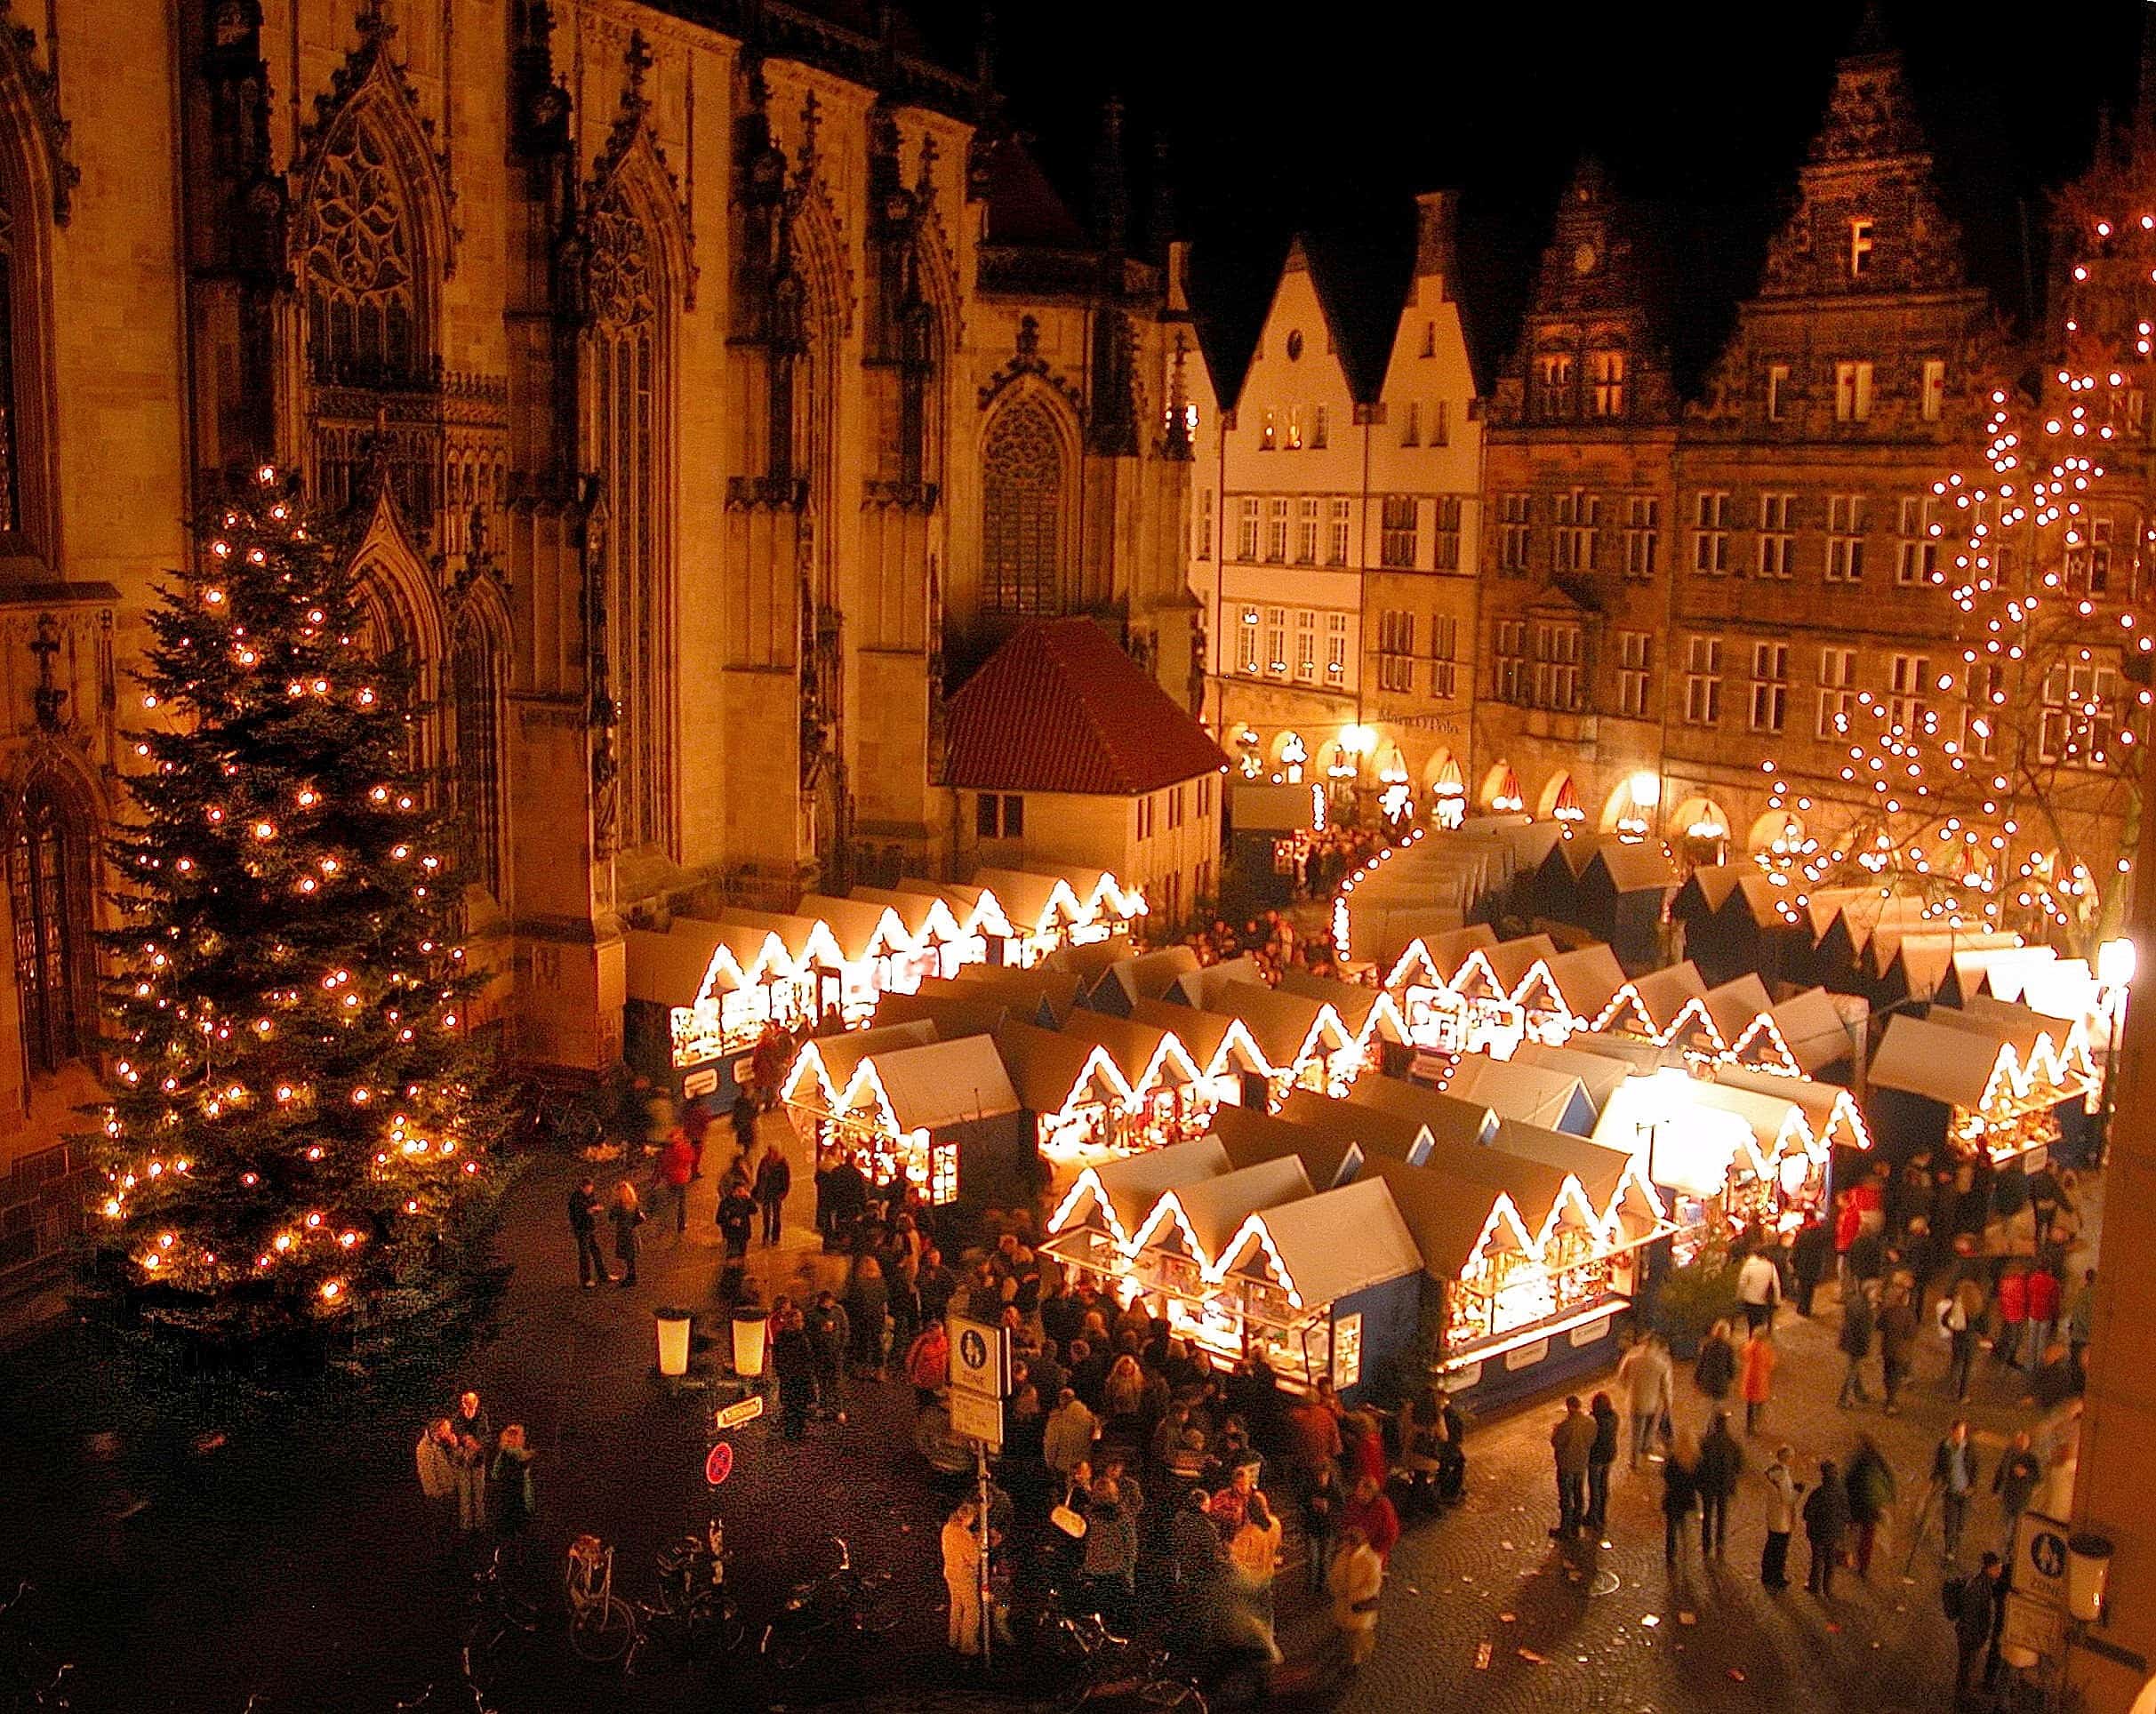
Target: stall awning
{"type": "Point", "coordinates": [825, 1067]}
{"type": "Point", "coordinates": [862, 929]}
{"type": "Point", "coordinates": [1935, 1060]}
{"type": "Point", "coordinates": [1513, 1089]}
{"type": "Point", "coordinates": [1121, 1191]}
{"type": "Point", "coordinates": [1449, 1118]}
{"type": "Point", "coordinates": [1736, 1006]}
{"type": "Point", "coordinates": [1373, 1131]}
{"type": "Point", "coordinates": [1600, 1169]}
{"type": "Point", "coordinates": [1151, 975]}
{"type": "Point", "coordinates": [1288, 1028]}
{"type": "Point", "coordinates": [1327, 1246]}
{"type": "Point", "coordinates": [1030, 901]}
{"type": "Point", "coordinates": [941, 1084]}
{"type": "Point", "coordinates": [1511, 960]}
{"type": "Point", "coordinates": [1829, 1109]}
{"type": "Point", "coordinates": [1598, 1073]}
{"type": "Point", "coordinates": [976, 910]}
{"type": "Point", "coordinates": [808, 941]}
{"type": "Point", "coordinates": [1635, 868]}
{"type": "Point", "coordinates": [1586, 979]}
{"type": "Point", "coordinates": [2056, 1049]}
{"type": "Point", "coordinates": [1148, 1057]}
{"type": "Point", "coordinates": [926, 917]}
{"type": "Point", "coordinates": [2007, 970]}
{"type": "Point", "coordinates": [1328, 1155]}
{"type": "Point", "coordinates": [1051, 1070]}
{"type": "Point", "coordinates": [1658, 1004]}
{"type": "Point", "coordinates": [668, 969]}
{"type": "Point", "coordinates": [1219, 1043]}
{"type": "Point", "coordinates": [1443, 1218]}
{"type": "Point", "coordinates": [1210, 1212]}
{"type": "Point", "coordinates": [1813, 1029]}
{"type": "Point", "coordinates": [1368, 1012]}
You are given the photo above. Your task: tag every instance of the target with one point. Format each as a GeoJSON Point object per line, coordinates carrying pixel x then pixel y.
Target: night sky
{"type": "Point", "coordinates": [1329, 125]}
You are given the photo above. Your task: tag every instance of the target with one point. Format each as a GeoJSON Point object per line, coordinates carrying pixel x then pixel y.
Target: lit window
{"type": "Point", "coordinates": [1860, 248]}
{"type": "Point", "coordinates": [1933, 397]}
{"type": "Point", "coordinates": [1852, 392]}
{"type": "Point", "coordinates": [1778, 386]}
{"type": "Point", "coordinates": [1337, 534]}
{"type": "Point", "coordinates": [1846, 539]}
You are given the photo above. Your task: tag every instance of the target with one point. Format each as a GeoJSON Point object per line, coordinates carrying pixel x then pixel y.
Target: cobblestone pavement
{"type": "Point", "coordinates": [183, 1575]}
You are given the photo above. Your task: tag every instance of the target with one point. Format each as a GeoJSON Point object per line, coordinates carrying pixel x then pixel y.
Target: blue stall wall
{"type": "Point", "coordinates": [999, 1167]}
{"type": "Point", "coordinates": [647, 1043]}
{"type": "Point", "coordinates": [1389, 1312]}
{"type": "Point", "coordinates": [1566, 1367]}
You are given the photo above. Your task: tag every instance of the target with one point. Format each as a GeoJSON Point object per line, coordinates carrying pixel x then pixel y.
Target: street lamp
{"type": "Point", "coordinates": [2115, 961]}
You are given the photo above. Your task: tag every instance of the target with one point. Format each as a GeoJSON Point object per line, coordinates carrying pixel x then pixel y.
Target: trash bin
{"type": "Point", "coordinates": [749, 1325]}
{"type": "Point", "coordinates": [673, 1339]}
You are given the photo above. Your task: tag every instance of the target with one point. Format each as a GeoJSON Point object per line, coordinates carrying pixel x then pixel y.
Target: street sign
{"type": "Point", "coordinates": [719, 1464]}
{"type": "Point", "coordinates": [2032, 1625]}
{"type": "Point", "coordinates": [977, 1417]}
{"type": "Point", "coordinates": [980, 1358]}
{"type": "Point", "coordinates": [733, 1417]}
{"type": "Point", "coordinates": [2039, 1571]}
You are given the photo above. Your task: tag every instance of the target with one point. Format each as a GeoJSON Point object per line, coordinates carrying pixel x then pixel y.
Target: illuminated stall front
{"type": "Point", "coordinates": [1373, 1022]}
{"type": "Point", "coordinates": [1229, 1063]}
{"type": "Point", "coordinates": [1488, 1020]}
{"type": "Point", "coordinates": [1056, 908]}
{"type": "Point", "coordinates": [1171, 1101]}
{"type": "Point", "coordinates": [1667, 1007]}
{"type": "Point", "coordinates": [1560, 996]}
{"type": "Point", "coordinates": [984, 934]}
{"type": "Point", "coordinates": [1096, 1223]}
{"type": "Point", "coordinates": [1303, 1041]}
{"type": "Point", "coordinates": [703, 991]}
{"type": "Point", "coordinates": [941, 1113]}
{"type": "Point", "coordinates": [1078, 1096]}
{"type": "Point", "coordinates": [935, 945]}
{"type": "Point", "coordinates": [1973, 1082]}
{"type": "Point", "coordinates": [1175, 1249]}
{"type": "Point", "coordinates": [1421, 982]}
{"type": "Point", "coordinates": [815, 961]}
{"type": "Point", "coordinates": [1830, 1111]}
{"type": "Point", "coordinates": [876, 954]}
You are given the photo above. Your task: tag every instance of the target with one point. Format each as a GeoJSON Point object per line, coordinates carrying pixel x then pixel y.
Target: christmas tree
{"type": "Point", "coordinates": [300, 1129]}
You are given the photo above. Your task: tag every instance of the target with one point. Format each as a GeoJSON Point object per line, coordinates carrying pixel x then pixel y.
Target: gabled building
{"type": "Point", "coordinates": [1338, 559]}
{"type": "Point", "coordinates": [1855, 379]}
{"type": "Point", "coordinates": [1575, 558]}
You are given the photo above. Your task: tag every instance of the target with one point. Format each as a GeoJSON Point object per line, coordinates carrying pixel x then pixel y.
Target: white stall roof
{"type": "Point", "coordinates": [1535, 1094]}
{"type": "Point", "coordinates": [943, 1083]}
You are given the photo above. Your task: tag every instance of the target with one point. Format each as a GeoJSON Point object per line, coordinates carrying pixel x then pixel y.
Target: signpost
{"type": "Point", "coordinates": [2036, 1593]}
{"type": "Point", "coordinates": [718, 1464]}
{"type": "Point", "coordinates": [732, 1416]}
{"type": "Point", "coordinates": [979, 1381]}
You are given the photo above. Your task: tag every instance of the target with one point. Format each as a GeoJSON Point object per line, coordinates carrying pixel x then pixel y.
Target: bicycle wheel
{"type": "Point", "coordinates": [715, 1625]}
{"type": "Point", "coordinates": [790, 1653]}
{"type": "Point", "coordinates": [602, 1632]}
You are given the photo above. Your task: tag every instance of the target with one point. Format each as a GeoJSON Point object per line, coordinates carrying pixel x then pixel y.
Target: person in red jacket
{"type": "Point", "coordinates": [2043, 1311]}
{"type": "Point", "coordinates": [1369, 1511]}
{"type": "Point", "coordinates": [2013, 1304]}
{"type": "Point", "coordinates": [677, 1165]}
{"type": "Point", "coordinates": [1849, 1220]}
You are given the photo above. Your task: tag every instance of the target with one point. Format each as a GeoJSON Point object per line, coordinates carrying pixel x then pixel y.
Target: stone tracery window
{"type": "Point", "coordinates": [476, 689]}
{"type": "Point", "coordinates": [49, 889]}
{"type": "Point", "coordinates": [11, 497]}
{"type": "Point", "coordinates": [362, 309]}
{"type": "Point", "coordinates": [1021, 496]}
{"type": "Point", "coordinates": [625, 349]}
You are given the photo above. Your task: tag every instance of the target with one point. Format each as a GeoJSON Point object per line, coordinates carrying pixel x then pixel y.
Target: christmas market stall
{"type": "Point", "coordinates": [1830, 1111]}
{"type": "Point", "coordinates": [1077, 1096]}
{"type": "Point", "coordinates": [700, 993]}
{"type": "Point", "coordinates": [1421, 980]}
{"type": "Point", "coordinates": [1433, 883]}
{"type": "Point", "coordinates": [941, 1113]}
{"type": "Point", "coordinates": [1743, 1011]}
{"type": "Point", "coordinates": [876, 954]}
{"type": "Point", "coordinates": [1966, 1084]}
{"type": "Point", "coordinates": [1817, 1029]}
{"type": "Point", "coordinates": [1518, 966]}
{"type": "Point", "coordinates": [1758, 927]}
{"type": "Point", "coordinates": [1373, 1022]}
{"type": "Point", "coordinates": [1147, 976]}
{"type": "Point", "coordinates": [1303, 1041]}
{"type": "Point", "coordinates": [1696, 907]}
{"type": "Point", "coordinates": [1514, 1089]}
{"type": "Point", "coordinates": [1170, 1100]}
{"type": "Point", "coordinates": [1230, 1063]}
{"type": "Point", "coordinates": [1598, 1073]}
{"type": "Point", "coordinates": [1667, 1007]}
{"type": "Point", "coordinates": [1560, 996]}
{"type": "Point", "coordinates": [1926, 968]}
{"type": "Point", "coordinates": [1622, 892]}
{"type": "Point", "coordinates": [1097, 1219]}
{"type": "Point", "coordinates": [984, 934]}
{"type": "Point", "coordinates": [1056, 907]}
{"type": "Point", "coordinates": [1329, 1154]}
{"type": "Point", "coordinates": [936, 945]}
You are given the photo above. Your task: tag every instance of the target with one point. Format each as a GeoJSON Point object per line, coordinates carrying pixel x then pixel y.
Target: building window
{"type": "Point", "coordinates": [2080, 714]}
{"type": "Point", "coordinates": [1932, 398]}
{"type": "Point", "coordinates": [1710, 533]}
{"type": "Point", "coordinates": [2089, 560]}
{"type": "Point", "coordinates": [1509, 661]}
{"type": "Point", "coordinates": [1276, 530]}
{"type": "Point", "coordinates": [1642, 535]}
{"type": "Point", "coordinates": [1777, 390]}
{"type": "Point", "coordinates": [1578, 518]}
{"type": "Point", "coordinates": [1986, 692]}
{"type": "Point", "coordinates": [1174, 808]}
{"type": "Point", "coordinates": [1513, 534]}
{"type": "Point", "coordinates": [1770, 685]}
{"type": "Point", "coordinates": [1852, 392]}
{"type": "Point", "coordinates": [1020, 510]}
{"type": "Point", "coordinates": [1605, 389]}
{"type": "Point", "coordinates": [1396, 650]}
{"type": "Point", "coordinates": [1337, 523]}
{"type": "Point", "coordinates": [1553, 381]}
{"type": "Point", "coordinates": [1205, 801]}
{"type": "Point", "coordinates": [1916, 548]}
{"type": "Point", "coordinates": [999, 816]}
{"type": "Point", "coordinates": [1306, 646]}
{"type": "Point", "coordinates": [1317, 426]}
{"type": "Point", "coordinates": [1908, 682]}
{"type": "Point", "coordinates": [1445, 544]}
{"type": "Point", "coordinates": [1294, 428]}
{"type": "Point", "coordinates": [1276, 642]}
{"type": "Point", "coordinates": [1556, 666]}
{"type": "Point", "coordinates": [1395, 543]}
{"type": "Point", "coordinates": [1246, 641]}
{"type": "Point", "coordinates": [1441, 423]}
{"type": "Point", "coordinates": [1860, 247]}
{"type": "Point", "coordinates": [1837, 692]}
{"type": "Point", "coordinates": [476, 691]}
{"type": "Point", "coordinates": [1201, 532]}
{"type": "Point", "coordinates": [1411, 425]}
{"type": "Point", "coordinates": [1336, 649]}
{"type": "Point", "coordinates": [1635, 665]}
{"type": "Point", "coordinates": [1266, 441]}
{"type": "Point", "coordinates": [49, 887]}
{"type": "Point", "coordinates": [1846, 539]}
{"type": "Point", "coordinates": [1145, 817]}
{"type": "Point", "coordinates": [1246, 528]}
{"type": "Point", "coordinates": [1444, 657]}
{"type": "Point", "coordinates": [1306, 531]}
{"type": "Point", "coordinates": [1777, 545]}
{"type": "Point", "coordinates": [1703, 681]}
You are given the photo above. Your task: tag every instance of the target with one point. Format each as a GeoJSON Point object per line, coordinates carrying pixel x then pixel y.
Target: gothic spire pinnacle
{"type": "Point", "coordinates": [636, 61]}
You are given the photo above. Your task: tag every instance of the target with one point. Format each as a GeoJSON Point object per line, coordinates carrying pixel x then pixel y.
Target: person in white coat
{"type": "Point", "coordinates": [962, 1576]}
{"type": "Point", "coordinates": [1783, 1489]}
{"type": "Point", "coordinates": [1644, 1383]}
{"type": "Point", "coordinates": [437, 1467]}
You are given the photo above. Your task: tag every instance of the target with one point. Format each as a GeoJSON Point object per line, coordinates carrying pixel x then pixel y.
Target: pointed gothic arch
{"type": "Point", "coordinates": [52, 828]}
{"type": "Point", "coordinates": [1029, 459]}
{"type": "Point", "coordinates": [639, 274]}
{"type": "Point", "coordinates": [403, 617]}
{"type": "Point", "coordinates": [375, 234]}
{"type": "Point", "coordinates": [36, 180]}
{"type": "Point", "coordinates": [478, 673]}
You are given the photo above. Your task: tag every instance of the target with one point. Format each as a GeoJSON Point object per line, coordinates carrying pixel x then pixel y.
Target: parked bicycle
{"type": "Point", "coordinates": [696, 1615]}
{"type": "Point", "coordinates": [497, 1609]}
{"type": "Point", "coordinates": [32, 1674]}
{"type": "Point", "coordinates": [843, 1602]}
{"type": "Point", "coordinates": [602, 1625]}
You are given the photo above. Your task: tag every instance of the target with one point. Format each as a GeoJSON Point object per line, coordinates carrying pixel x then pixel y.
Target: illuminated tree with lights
{"type": "Point", "coordinates": [298, 1129]}
{"type": "Point", "coordinates": [2005, 792]}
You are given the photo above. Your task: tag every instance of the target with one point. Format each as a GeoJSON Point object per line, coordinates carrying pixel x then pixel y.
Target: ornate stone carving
{"type": "Point", "coordinates": [41, 88]}
{"type": "Point", "coordinates": [1027, 360]}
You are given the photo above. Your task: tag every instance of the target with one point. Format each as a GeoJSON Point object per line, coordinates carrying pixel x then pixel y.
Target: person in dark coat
{"type": "Point", "coordinates": [1867, 1497]}
{"type": "Point", "coordinates": [1600, 1456]}
{"type": "Point", "coordinates": [627, 1213]}
{"type": "Point", "coordinates": [1979, 1603]}
{"type": "Point", "coordinates": [516, 1496]}
{"type": "Point", "coordinates": [1826, 1520]}
{"type": "Point", "coordinates": [775, 1177]}
{"type": "Point", "coordinates": [736, 1219]}
{"type": "Point", "coordinates": [867, 1303]}
{"type": "Point", "coordinates": [793, 1361]}
{"type": "Point", "coordinates": [1721, 1462]}
{"type": "Point", "coordinates": [1857, 1327]}
{"type": "Point", "coordinates": [744, 1126]}
{"type": "Point", "coordinates": [1808, 1252]}
{"type": "Point", "coordinates": [1679, 1489]}
{"type": "Point", "coordinates": [584, 1227]}
{"type": "Point", "coordinates": [830, 1334]}
{"type": "Point", "coordinates": [1715, 1370]}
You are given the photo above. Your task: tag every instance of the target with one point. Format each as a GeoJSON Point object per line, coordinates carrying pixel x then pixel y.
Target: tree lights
{"type": "Point", "coordinates": [297, 1132]}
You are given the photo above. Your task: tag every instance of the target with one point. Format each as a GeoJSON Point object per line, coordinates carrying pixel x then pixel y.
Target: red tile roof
{"type": "Point", "coordinates": [1061, 707]}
